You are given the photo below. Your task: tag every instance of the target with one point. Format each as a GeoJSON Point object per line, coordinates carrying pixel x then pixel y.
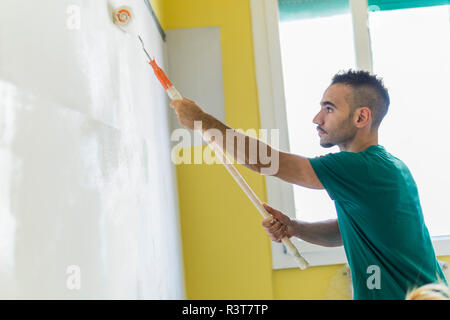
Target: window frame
{"type": "Point", "coordinates": [272, 107]}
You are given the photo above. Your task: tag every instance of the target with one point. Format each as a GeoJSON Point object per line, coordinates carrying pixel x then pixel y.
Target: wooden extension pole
{"type": "Point", "coordinates": [301, 262]}
{"type": "Point", "coordinates": [173, 94]}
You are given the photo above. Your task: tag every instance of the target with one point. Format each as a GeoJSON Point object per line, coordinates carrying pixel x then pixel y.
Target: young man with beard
{"type": "Point", "coordinates": [379, 216]}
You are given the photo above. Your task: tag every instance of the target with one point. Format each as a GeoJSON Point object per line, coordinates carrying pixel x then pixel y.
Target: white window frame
{"type": "Point", "coordinates": [269, 77]}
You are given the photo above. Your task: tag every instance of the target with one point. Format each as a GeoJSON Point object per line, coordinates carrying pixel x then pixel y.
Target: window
{"type": "Point", "coordinates": [308, 46]}
{"type": "Point", "coordinates": [417, 73]}
{"type": "Point", "coordinates": [312, 50]}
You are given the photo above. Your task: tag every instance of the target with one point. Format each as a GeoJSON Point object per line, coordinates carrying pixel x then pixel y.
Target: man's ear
{"type": "Point", "coordinates": [363, 117]}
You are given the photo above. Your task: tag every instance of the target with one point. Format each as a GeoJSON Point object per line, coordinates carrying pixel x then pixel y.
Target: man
{"type": "Point", "coordinates": [379, 216]}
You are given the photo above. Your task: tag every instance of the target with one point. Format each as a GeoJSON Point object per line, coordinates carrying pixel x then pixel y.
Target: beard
{"type": "Point", "coordinates": [343, 135]}
{"type": "Point", "coordinates": [327, 145]}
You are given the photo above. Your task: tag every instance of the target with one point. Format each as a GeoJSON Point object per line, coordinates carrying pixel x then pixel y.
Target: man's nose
{"type": "Point", "coordinates": [318, 119]}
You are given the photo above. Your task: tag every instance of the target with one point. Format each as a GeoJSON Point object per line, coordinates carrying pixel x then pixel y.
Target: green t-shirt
{"type": "Point", "coordinates": [387, 244]}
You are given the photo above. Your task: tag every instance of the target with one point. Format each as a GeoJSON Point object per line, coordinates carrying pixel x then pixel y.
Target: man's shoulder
{"type": "Point", "coordinates": [339, 156]}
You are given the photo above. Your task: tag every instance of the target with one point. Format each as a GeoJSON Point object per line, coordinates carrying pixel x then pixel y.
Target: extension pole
{"type": "Point", "coordinates": [173, 94]}
{"type": "Point", "coordinates": [301, 262]}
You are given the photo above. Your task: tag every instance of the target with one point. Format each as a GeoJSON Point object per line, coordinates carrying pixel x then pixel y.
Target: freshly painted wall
{"type": "Point", "coordinates": [227, 254]}
{"type": "Point", "coordinates": [88, 206]}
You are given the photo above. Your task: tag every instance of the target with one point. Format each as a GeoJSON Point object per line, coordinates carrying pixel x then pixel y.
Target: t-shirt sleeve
{"type": "Point", "coordinates": [344, 175]}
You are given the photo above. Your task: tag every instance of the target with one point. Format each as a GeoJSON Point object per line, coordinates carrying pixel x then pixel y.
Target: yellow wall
{"type": "Point", "coordinates": [158, 7]}
{"type": "Point", "coordinates": [226, 252]}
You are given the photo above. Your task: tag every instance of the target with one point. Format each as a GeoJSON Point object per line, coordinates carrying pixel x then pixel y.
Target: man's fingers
{"type": "Point", "coordinates": [280, 231]}
{"type": "Point", "coordinates": [186, 99]}
{"type": "Point", "coordinates": [278, 215]}
{"type": "Point", "coordinates": [275, 228]}
{"type": "Point", "coordinates": [268, 222]}
{"type": "Point", "coordinates": [271, 225]}
{"type": "Point", "coordinates": [269, 208]}
{"type": "Point", "coordinates": [284, 219]}
{"type": "Point", "coordinates": [273, 211]}
{"type": "Point", "coordinates": [277, 225]}
{"type": "Point", "coordinates": [176, 103]}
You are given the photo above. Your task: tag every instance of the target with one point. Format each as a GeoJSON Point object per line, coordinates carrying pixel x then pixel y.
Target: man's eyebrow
{"type": "Point", "coordinates": [327, 103]}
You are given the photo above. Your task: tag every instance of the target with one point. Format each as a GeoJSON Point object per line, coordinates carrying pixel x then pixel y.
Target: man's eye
{"type": "Point", "coordinates": [329, 109]}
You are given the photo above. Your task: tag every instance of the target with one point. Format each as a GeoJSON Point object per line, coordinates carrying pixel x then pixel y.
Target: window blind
{"type": "Point", "coordinates": [383, 5]}
{"type": "Point", "coordinates": [307, 9]}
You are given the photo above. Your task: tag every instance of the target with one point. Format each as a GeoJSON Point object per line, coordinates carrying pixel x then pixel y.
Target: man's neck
{"type": "Point", "coordinates": [360, 144]}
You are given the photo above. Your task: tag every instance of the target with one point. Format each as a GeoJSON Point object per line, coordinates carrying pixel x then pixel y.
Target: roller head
{"type": "Point", "coordinates": [123, 16]}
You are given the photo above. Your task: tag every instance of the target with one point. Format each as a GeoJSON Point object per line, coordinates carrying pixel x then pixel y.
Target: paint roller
{"type": "Point", "coordinates": [123, 17]}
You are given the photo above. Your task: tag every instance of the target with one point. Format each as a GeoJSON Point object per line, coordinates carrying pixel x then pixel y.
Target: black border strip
{"type": "Point", "coordinates": [158, 25]}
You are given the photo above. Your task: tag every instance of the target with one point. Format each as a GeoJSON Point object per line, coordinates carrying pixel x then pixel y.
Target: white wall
{"type": "Point", "coordinates": [85, 171]}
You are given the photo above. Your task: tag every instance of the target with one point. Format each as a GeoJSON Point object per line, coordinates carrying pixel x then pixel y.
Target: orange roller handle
{"type": "Point", "coordinates": [160, 75]}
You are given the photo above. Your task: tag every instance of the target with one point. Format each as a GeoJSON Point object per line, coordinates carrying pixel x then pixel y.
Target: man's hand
{"type": "Point", "coordinates": [187, 112]}
{"type": "Point", "coordinates": [279, 226]}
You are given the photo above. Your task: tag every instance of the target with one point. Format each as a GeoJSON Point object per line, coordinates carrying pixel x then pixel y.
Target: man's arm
{"type": "Point", "coordinates": [298, 170]}
{"type": "Point", "coordinates": [291, 168]}
{"type": "Point", "coordinates": [323, 233]}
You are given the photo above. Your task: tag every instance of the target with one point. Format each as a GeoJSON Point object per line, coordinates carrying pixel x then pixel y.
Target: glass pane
{"type": "Point", "coordinates": [313, 50]}
{"type": "Point", "coordinates": [411, 51]}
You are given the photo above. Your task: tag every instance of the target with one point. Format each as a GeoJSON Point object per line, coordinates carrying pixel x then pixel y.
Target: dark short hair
{"type": "Point", "coordinates": [368, 91]}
